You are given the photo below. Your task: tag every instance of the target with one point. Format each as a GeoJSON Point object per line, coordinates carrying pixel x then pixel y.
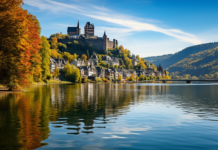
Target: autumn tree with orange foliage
{"type": "Point", "coordinates": [84, 57]}
{"type": "Point", "coordinates": [20, 42]}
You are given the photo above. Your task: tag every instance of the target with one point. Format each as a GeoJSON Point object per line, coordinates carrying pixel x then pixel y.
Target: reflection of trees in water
{"type": "Point", "coordinates": [24, 117]}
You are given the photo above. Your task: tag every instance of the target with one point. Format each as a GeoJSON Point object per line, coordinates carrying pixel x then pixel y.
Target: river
{"type": "Point", "coordinates": [111, 116]}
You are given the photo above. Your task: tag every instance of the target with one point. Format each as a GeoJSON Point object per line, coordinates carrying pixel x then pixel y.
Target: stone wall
{"type": "Point", "coordinates": [110, 44]}
{"type": "Point", "coordinates": [97, 43]}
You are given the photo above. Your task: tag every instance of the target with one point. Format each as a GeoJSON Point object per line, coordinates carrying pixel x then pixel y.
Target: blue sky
{"type": "Point", "coordinates": [146, 27]}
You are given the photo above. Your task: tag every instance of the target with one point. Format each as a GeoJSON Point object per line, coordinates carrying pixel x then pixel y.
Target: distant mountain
{"type": "Point", "coordinates": [156, 59]}
{"type": "Point", "coordinates": [203, 62]}
{"type": "Point", "coordinates": [166, 62]}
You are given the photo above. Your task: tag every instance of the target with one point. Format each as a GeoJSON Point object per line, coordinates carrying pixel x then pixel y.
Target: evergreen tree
{"type": "Point", "coordinates": [87, 54]}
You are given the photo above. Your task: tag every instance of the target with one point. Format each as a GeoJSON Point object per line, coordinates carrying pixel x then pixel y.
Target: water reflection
{"type": "Point", "coordinates": [28, 119]}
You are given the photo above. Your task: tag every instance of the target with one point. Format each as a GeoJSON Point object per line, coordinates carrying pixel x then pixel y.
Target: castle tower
{"type": "Point", "coordinates": [89, 29]}
{"type": "Point", "coordinates": [114, 43]}
{"type": "Point", "coordinates": [105, 41]}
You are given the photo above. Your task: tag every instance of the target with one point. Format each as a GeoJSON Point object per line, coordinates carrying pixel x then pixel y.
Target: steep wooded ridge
{"type": "Point", "coordinates": [203, 62]}
{"type": "Point", "coordinates": [157, 59]}
{"type": "Point", "coordinates": [166, 63]}
{"type": "Point", "coordinates": [194, 60]}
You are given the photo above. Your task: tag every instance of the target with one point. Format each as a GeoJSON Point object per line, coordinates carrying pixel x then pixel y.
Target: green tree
{"type": "Point", "coordinates": [75, 75]}
{"type": "Point", "coordinates": [141, 65]}
{"type": "Point", "coordinates": [45, 53]}
{"type": "Point", "coordinates": [71, 73]}
{"type": "Point", "coordinates": [56, 72]}
{"type": "Point", "coordinates": [211, 76]}
{"type": "Point", "coordinates": [84, 79]}
{"type": "Point", "coordinates": [68, 56]}
{"type": "Point", "coordinates": [120, 78]}
{"type": "Point", "coordinates": [216, 75]}
{"type": "Point", "coordinates": [87, 54]}
{"type": "Point", "coordinates": [206, 76]}
{"type": "Point", "coordinates": [62, 47]}
{"type": "Point", "coordinates": [75, 56]}
{"type": "Point", "coordinates": [132, 78]}
{"type": "Point", "coordinates": [141, 78]}
{"type": "Point", "coordinates": [67, 70]}
{"type": "Point", "coordinates": [137, 56]}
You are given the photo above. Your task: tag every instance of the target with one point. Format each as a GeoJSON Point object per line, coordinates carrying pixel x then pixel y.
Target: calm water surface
{"type": "Point", "coordinates": [111, 116]}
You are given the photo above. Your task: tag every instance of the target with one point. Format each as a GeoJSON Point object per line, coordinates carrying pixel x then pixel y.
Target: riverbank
{"type": "Point", "coordinates": [5, 90]}
{"type": "Point", "coordinates": [52, 82]}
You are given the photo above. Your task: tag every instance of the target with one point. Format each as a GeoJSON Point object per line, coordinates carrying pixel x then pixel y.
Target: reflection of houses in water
{"type": "Point", "coordinates": [82, 92]}
{"type": "Point", "coordinates": [90, 92]}
{"type": "Point", "coordinates": [52, 95]}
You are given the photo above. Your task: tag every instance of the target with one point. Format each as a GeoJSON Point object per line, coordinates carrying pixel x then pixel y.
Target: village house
{"type": "Point", "coordinates": [78, 63]}
{"type": "Point", "coordinates": [100, 72]}
{"type": "Point", "coordinates": [57, 63]}
{"type": "Point", "coordinates": [111, 61]}
{"type": "Point", "coordinates": [94, 59]}
{"type": "Point", "coordinates": [109, 74]}
{"type": "Point", "coordinates": [135, 61]}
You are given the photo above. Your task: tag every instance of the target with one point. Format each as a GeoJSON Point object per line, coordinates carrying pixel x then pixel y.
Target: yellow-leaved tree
{"type": "Point", "coordinates": [20, 43]}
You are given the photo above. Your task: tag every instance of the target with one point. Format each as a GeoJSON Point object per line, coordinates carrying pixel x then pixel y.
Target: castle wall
{"type": "Point", "coordinates": [110, 44]}
{"type": "Point", "coordinates": [97, 43]}
{"type": "Point", "coordinates": [65, 41]}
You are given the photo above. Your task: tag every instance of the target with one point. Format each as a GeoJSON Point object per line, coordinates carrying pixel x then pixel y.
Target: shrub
{"type": "Point", "coordinates": [84, 80]}
{"type": "Point", "coordinates": [98, 80]}
{"type": "Point", "coordinates": [45, 80]}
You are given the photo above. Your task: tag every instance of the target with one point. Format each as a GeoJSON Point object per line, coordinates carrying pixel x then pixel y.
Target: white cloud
{"type": "Point", "coordinates": [133, 24]}
{"type": "Point", "coordinates": [126, 130]}
{"type": "Point", "coordinates": [114, 137]}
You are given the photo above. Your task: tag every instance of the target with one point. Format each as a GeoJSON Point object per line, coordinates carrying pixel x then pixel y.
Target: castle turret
{"type": "Point", "coordinates": [114, 43]}
{"type": "Point", "coordinates": [105, 41]}
{"type": "Point", "coordinates": [78, 24]}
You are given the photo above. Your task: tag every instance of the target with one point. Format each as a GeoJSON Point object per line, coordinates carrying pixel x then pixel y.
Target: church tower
{"type": "Point", "coordinates": [78, 24]}
{"type": "Point", "coordinates": [78, 29]}
{"type": "Point", "coordinates": [104, 41]}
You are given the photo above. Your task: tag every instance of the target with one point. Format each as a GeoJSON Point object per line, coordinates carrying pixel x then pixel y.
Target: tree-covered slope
{"type": "Point", "coordinates": [185, 53]}
{"type": "Point", "coordinates": [200, 63]}
{"type": "Point", "coordinates": [157, 59]}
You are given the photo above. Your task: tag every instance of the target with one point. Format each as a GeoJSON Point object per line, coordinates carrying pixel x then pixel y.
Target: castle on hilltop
{"type": "Point", "coordinates": [101, 43]}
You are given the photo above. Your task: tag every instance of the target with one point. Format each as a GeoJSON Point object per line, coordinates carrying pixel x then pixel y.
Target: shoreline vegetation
{"type": "Point", "coordinates": [5, 90]}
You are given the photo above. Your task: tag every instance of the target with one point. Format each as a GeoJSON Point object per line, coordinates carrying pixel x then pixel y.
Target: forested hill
{"type": "Point", "coordinates": [157, 59]}
{"type": "Point", "coordinates": [203, 62]}
{"type": "Point", "coordinates": [167, 62]}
